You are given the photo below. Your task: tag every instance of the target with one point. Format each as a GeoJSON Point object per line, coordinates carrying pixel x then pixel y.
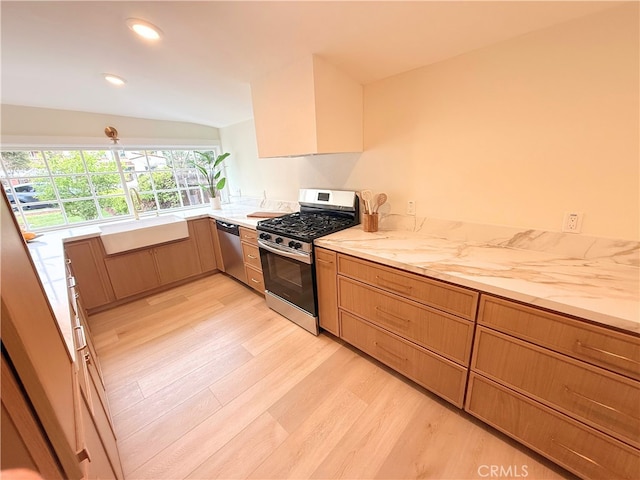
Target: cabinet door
{"type": "Point", "coordinates": [249, 235]}
{"type": "Point", "coordinates": [326, 278]}
{"type": "Point", "coordinates": [251, 255]}
{"type": "Point", "coordinates": [440, 332]}
{"type": "Point", "coordinates": [216, 244]}
{"type": "Point", "coordinates": [24, 444]}
{"type": "Point", "coordinates": [99, 452]}
{"type": "Point", "coordinates": [204, 241]}
{"type": "Point", "coordinates": [32, 340]}
{"type": "Point", "coordinates": [597, 345]}
{"type": "Point", "coordinates": [435, 373]}
{"type": "Point", "coordinates": [177, 261]}
{"type": "Point", "coordinates": [254, 278]}
{"type": "Point", "coordinates": [580, 449]}
{"type": "Point", "coordinates": [132, 273]}
{"type": "Point", "coordinates": [602, 399]}
{"type": "Point", "coordinates": [87, 264]}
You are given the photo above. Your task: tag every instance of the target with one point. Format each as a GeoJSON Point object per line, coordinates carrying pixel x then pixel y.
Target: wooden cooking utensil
{"type": "Point", "coordinates": [367, 196]}
{"type": "Point", "coordinates": [380, 200]}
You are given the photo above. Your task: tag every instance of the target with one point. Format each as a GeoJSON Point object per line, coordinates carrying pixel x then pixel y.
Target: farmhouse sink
{"type": "Point", "coordinates": [120, 237]}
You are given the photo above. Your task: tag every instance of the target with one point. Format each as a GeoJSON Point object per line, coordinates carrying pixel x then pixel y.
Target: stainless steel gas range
{"type": "Point", "coordinates": [286, 251]}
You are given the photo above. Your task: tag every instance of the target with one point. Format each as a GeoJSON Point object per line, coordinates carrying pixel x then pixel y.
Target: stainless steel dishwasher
{"type": "Point", "coordinates": [229, 235]}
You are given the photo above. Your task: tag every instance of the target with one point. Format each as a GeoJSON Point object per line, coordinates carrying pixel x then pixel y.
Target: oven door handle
{"type": "Point", "coordinates": [300, 257]}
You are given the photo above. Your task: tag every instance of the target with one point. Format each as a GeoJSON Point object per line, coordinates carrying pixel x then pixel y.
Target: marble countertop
{"type": "Point", "coordinates": [229, 212]}
{"type": "Point", "coordinates": [598, 289]}
{"type": "Point", "coordinates": [595, 279]}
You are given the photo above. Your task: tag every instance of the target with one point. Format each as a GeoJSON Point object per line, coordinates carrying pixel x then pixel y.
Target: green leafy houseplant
{"type": "Point", "coordinates": [208, 164]}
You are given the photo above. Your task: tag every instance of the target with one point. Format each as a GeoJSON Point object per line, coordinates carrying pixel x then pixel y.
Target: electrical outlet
{"type": "Point", "coordinates": [572, 222]}
{"type": "Point", "coordinates": [411, 207]}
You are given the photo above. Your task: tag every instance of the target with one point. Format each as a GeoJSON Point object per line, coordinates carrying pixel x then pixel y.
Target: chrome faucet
{"type": "Point", "coordinates": [132, 192]}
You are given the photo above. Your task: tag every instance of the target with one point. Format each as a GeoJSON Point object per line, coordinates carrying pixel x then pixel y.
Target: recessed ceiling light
{"type": "Point", "coordinates": [144, 29]}
{"type": "Point", "coordinates": [114, 79]}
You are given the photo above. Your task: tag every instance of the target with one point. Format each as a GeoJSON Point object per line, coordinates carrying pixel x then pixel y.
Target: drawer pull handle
{"type": "Point", "coordinates": [395, 286]}
{"type": "Point", "coordinates": [252, 257]}
{"type": "Point", "coordinates": [72, 281]}
{"type": "Point", "coordinates": [605, 352]}
{"type": "Point", "coordinates": [319, 260]}
{"type": "Point", "coordinates": [254, 280]}
{"type": "Point", "coordinates": [578, 454]}
{"type": "Point", "coordinates": [389, 352]}
{"type": "Point", "coordinates": [82, 340]}
{"type": "Point", "coordinates": [595, 402]}
{"type": "Point", "coordinates": [391, 316]}
{"type": "Point", "coordinates": [83, 454]}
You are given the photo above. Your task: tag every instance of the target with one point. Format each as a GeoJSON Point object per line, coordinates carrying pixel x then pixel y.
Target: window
{"type": "Point", "coordinates": [55, 188]}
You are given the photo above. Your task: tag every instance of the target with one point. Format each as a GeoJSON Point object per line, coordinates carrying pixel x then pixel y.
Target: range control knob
{"type": "Point", "coordinates": [292, 244]}
{"type": "Point", "coordinates": [297, 245]}
{"type": "Point", "coordinates": [279, 240]}
{"type": "Point", "coordinates": [265, 236]}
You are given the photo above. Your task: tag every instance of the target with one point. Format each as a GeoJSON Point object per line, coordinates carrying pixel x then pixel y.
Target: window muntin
{"type": "Point", "coordinates": [54, 188]}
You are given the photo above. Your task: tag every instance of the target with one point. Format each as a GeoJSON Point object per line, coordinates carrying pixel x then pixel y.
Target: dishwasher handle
{"type": "Point", "coordinates": [228, 227]}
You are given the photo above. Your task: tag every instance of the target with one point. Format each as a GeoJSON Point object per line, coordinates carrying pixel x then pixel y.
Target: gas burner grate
{"type": "Point", "coordinates": [306, 226]}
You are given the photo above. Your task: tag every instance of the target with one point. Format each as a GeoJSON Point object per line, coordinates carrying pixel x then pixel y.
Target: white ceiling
{"type": "Point", "coordinates": [54, 53]}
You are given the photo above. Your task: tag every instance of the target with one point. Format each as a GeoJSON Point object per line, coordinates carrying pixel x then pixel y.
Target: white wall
{"type": "Point", "coordinates": [279, 178]}
{"type": "Point", "coordinates": [514, 134]}
{"type": "Point", "coordinates": [42, 126]}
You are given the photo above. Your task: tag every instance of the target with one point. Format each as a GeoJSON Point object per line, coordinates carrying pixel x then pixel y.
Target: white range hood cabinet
{"type": "Point", "coordinates": [310, 107]}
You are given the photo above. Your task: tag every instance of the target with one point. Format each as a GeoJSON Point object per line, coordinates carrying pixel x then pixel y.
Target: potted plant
{"type": "Point", "coordinates": [208, 164]}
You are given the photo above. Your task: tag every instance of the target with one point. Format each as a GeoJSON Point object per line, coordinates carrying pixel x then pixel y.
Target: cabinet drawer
{"type": "Point", "coordinates": [597, 345]}
{"type": "Point", "coordinates": [576, 447]}
{"type": "Point", "coordinates": [605, 400]}
{"type": "Point", "coordinates": [445, 334]}
{"type": "Point", "coordinates": [254, 278]}
{"type": "Point", "coordinates": [433, 372]}
{"type": "Point", "coordinates": [327, 283]}
{"type": "Point", "coordinates": [457, 300]}
{"type": "Point", "coordinates": [248, 235]}
{"type": "Point", "coordinates": [251, 256]}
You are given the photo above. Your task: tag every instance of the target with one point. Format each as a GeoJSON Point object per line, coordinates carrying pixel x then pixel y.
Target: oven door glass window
{"type": "Point", "coordinates": [290, 280]}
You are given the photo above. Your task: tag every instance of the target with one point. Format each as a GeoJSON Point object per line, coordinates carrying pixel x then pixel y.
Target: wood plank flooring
{"type": "Point", "coordinates": [205, 381]}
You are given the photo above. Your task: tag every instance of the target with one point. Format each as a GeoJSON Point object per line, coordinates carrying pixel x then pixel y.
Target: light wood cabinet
{"type": "Point", "coordinates": [145, 270]}
{"type": "Point", "coordinates": [132, 272]}
{"type": "Point", "coordinates": [577, 447]}
{"type": "Point", "coordinates": [95, 461]}
{"type": "Point", "coordinates": [98, 435]}
{"type": "Point", "coordinates": [251, 258]}
{"type": "Point", "coordinates": [255, 279]}
{"type": "Point", "coordinates": [575, 382]}
{"type": "Point", "coordinates": [248, 235]}
{"type": "Point", "coordinates": [437, 331]}
{"type": "Point", "coordinates": [406, 321]}
{"type": "Point", "coordinates": [33, 344]}
{"type": "Point", "coordinates": [443, 296]}
{"type": "Point", "coordinates": [136, 272]}
{"type": "Point", "coordinates": [106, 279]}
{"type": "Point", "coordinates": [433, 372]}
{"type": "Point", "coordinates": [601, 346]}
{"type": "Point", "coordinates": [176, 261]}
{"type": "Point", "coordinates": [602, 399]}
{"type": "Point", "coordinates": [205, 243]}
{"type": "Point", "coordinates": [326, 280]}
{"type": "Point", "coordinates": [23, 442]}
{"type": "Point", "coordinates": [87, 266]}
{"type": "Point", "coordinates": [306, 108]}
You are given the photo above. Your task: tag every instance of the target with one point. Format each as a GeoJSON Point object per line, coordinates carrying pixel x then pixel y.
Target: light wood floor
{"type": "Point", "coordinates": [204, 381]}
